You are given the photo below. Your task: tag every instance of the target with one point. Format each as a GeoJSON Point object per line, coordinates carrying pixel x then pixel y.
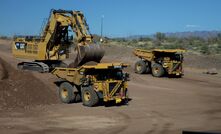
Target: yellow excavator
{"type": "Point", "coordinates": [49, 50]}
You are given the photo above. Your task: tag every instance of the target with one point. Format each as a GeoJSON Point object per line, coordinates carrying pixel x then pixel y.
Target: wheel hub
{"type": "Point", "coordinates": [138, 67]}
{"type": "Point", "coordinates": [64, 93]}
{"type": "Point", "coordinates": [156, 70]}
{"type": "Point", "coordinates": [87, 96]}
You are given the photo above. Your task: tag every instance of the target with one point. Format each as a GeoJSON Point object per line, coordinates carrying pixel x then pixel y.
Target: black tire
{"type": "Point", "coordinates": [148, 68]}
{"type": "Point", "coordinates": [175, 76]}
{"type": "Point", "coordinates": [179, 76]}
{"type": "Point", "coordinates": [127, 97]}
{"type": "Point", "coordinates": [20, 67]}
{"type": "Point", "coordinates": [89, 96]}
{"type": "Point", "coordinates": [68, 93]}
{"type": "Point", "coordinates": [77, 92]}
{"type": "Point", "coordinates": [140, 67]}
{"type": "Point", "coordinates": [157, 70]}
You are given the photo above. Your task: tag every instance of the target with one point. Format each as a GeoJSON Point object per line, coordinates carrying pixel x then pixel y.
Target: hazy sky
{"type": "Point", "coordinates": [121, 17]}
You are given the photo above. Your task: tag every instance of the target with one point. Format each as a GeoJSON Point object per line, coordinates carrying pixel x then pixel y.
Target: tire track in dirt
{"type": "Point", "coordinates": [202, 82]}
{"type": "Point", "coordinates": [161, 124]}
{"type": "Point", "coordinates": [126, 121]}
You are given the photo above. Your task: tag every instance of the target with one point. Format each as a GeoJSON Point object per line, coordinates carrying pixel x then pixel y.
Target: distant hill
{"type": "Point", "coordinates": [201, 34]}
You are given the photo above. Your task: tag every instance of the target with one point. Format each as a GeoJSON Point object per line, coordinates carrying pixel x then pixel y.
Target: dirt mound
{"type": "Point", "coordinates": [202, 61]}
{"type": "Point", "coordinates": [22, 90]}
{"type": "Point", "coordinates": [5, 45]}
{"type": "Point", "coordinates": [3, 72]}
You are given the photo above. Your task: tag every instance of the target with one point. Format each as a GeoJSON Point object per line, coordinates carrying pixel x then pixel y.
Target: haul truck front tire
{"type": "Point", "coordinates": [89, 96]}
{"type": "Point", "coordinates": [68, 93]}
{"type": "Point", "coordinates": [140, 67]}
{"type": "Point", "coordinates": [157, 70]}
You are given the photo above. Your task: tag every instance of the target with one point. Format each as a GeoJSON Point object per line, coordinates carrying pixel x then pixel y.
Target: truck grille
{"type": "Point", "coordinates": [111, 87]}
{"type": "Point", "coordinates": [176, 66]}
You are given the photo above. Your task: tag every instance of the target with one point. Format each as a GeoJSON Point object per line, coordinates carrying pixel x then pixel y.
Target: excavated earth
{"type": "Point", "coordinates": [21, 89]}
{"type": "Point", "coordinates": [29, 102]}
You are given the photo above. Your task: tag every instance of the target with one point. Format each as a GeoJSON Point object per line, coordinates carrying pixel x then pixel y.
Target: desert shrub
{"type": "Point", "coordinates": [204, 49]}
{"type": "Point", "coordinates": [5, 37]}
{"type": "Point", "coordinates": [207, 45]}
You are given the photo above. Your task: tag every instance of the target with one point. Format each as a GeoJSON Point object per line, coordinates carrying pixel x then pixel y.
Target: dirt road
{"type": "Point", "coordinates": [158, 105]}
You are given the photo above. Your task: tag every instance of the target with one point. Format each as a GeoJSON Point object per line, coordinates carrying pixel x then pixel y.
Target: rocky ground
{"type": "Point", "coordinates": [29, 102]}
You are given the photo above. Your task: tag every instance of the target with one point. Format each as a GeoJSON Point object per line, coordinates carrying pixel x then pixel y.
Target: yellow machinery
{"type": "Point", "coordinates": [48, 50]}
{"type": "Point", "coordinates": [159, 62]}
{"type": "Point", "coordinates": [91, 83]}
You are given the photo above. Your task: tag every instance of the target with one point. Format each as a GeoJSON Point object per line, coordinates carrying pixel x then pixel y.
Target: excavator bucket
{"type": "Point", "coordinates": [87, 53]}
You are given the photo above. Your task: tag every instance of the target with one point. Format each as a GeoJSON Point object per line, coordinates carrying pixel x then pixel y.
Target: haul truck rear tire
{"type": "Point", "coordinates": [68, 93]}
{"type": "Point", "coordinates": [89, 96]}
{"type": "Point", "coordinates": [157, 70]}
{"type": "Point", "coordinates": [140, 67]}
{"type": "Point", "coordinates": [148, 68]}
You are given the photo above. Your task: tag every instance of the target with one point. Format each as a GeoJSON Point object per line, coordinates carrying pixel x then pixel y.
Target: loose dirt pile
{"type": "Point", "coordinates": [3, 72]}
{"type": "Point", "coordinates": [22, 90]}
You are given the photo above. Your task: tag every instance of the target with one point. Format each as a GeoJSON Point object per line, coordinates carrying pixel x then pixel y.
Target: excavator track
{"type": "Point", "coordinates": [34, 66]}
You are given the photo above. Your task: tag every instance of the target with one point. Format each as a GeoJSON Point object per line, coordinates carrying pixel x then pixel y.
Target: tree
{"type": "Point", "coordinates": [219, 35]}
{"type": "Point", "coordinates": [144, 39]}
{"type": "Point", "coordinates": [160, 36]}
{"type": "Point", "coordinates": [219, 38]}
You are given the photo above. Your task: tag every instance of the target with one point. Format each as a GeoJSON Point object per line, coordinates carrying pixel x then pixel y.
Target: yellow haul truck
{"type": "Point", "coordinates": [159, 62]}
{"type": "Point", "coordinates": [93, 83]}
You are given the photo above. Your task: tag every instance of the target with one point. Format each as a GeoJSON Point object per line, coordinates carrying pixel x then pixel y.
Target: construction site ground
{"type": "Point", "coordinates": [29, 103]}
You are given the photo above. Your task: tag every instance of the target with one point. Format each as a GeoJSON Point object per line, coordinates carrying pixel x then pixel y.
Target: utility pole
{"type": "Point", "coordinates": [102, 19]}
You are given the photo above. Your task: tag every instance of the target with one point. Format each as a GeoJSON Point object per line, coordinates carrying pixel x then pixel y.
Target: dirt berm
{"type": "Point", "coordinates": [22, 90]}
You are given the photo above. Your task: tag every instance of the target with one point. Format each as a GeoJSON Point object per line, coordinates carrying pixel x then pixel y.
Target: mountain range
{"type": "Point", "coordinates": [201, 34]}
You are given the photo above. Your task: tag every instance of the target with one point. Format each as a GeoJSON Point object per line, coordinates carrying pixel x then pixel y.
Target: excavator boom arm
{"type": "Point", "coordinates": [74, 19]}
{"type": "Point", "coordinates": [86, 50]}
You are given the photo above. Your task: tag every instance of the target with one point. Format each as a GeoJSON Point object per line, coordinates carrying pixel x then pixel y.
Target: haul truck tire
{"type": "Point", "coordinates": [126, 100]}
{"type": "Point", "coordinates": [148, 68]}
{"type": "Point", "coordinates": [157, 70]}
{"type": "Point", "coordinates": [89, 96]}
{"type": "Point", "coordinates": [140, 67]}
{"type": "Point", "coordinates": [68, 93]}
